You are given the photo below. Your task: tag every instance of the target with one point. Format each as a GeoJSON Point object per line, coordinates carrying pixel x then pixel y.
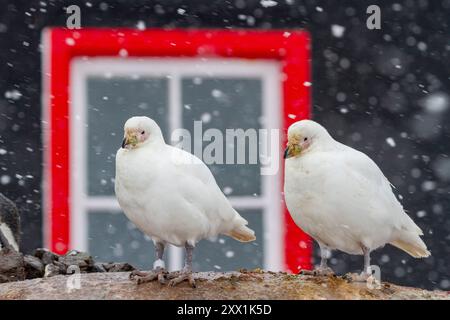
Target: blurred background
{"type": "Point", "coordinates": [385, 92]}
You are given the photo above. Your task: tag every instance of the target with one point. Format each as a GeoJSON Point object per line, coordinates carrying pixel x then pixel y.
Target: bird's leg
{"type": "Point", "coordinates": [323, 269]}
{"type": "Point", "coordinates": [159, 272]}
{"type": "Point", "coordinates": [186, 273]}
{"type": "Point", "coordinates": [367, 271]}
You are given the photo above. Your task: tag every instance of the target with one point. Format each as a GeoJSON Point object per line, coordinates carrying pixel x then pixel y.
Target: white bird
{"type": "Point", "coordinates": [340, 197]}
{"type": "Point", "coordinates": [171, 196]}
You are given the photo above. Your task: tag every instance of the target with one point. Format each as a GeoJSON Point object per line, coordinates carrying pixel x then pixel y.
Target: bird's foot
{"type": "Point", "coordinates": [178, 277]}
{"type": "Point", "coordinates": [141, 277]}
{"type": "Point", "coordinates": [357, 277]}
{"type": "Point", "coordinates": [370, 279]}
{"type": "Point", "coordinates": [318, 272]}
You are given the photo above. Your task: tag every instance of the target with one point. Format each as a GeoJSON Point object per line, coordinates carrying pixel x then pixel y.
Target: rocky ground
{"type": "Point", "coordinates": [232, 285]}
{"type": "Point", "coordinates": [45, 275]}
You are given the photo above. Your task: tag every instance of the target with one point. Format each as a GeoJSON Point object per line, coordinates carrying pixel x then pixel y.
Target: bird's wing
{"type": "Point", "coordinates": [364, 169]}
{"type": "Point", "coordinates": [364, 165]}
{"type": "Point", "coordinates": [202, 189]}
{"type": "Point", "coordinates": [189, 165]}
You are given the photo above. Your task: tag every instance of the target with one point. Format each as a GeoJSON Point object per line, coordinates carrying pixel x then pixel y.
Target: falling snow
{"type": "Point", "coordinates": [123, 53]}
{"type": "Point", "coordinates": [70, 41]}
{"type": "Point", "coordinates": [391, 142]}
{"type": "Point", "coordinates": [206, 117]}
{"type": "Point", "coordinates": [13, 94]}
{"type": "Point", "coordinates": [140, 25]}
{"type": "Point", "coordinates": [337, 30]}
{"type": "Point", "coordinates": [268, 3]}
{"type": "Point", "coordinates": [386, 93]}
{"type": "Point", "coordinates": [216, 93]}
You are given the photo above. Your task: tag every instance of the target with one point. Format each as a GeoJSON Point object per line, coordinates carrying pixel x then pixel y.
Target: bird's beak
{"type": "Point", "coordinates": [129, 140]}
{"type": "Point", "coordinates": [292, 150]}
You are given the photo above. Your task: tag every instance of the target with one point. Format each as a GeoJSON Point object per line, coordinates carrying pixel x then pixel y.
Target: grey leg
{"type": "Point", "coordinates": [186, 273]}
{"type": "Point", "coordinates": [322, 269]}
{"type": "Point", "coordinates": [159, 262]}
{"type": "Point", "coordinates": [189, 255]}
{"type": "Point", "coordinates": [158, 273]}
{"type": "Point", "coordinates": [367, 271]}
{"type": "Point", "coordinates": [323, 257]}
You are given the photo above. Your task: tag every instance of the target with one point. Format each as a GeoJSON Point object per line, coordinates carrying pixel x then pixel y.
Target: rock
{"type": "Point", "coordinates": [119, 267]}
{"type": "Point", "coordinates": [9, 224]}
{"type": "Point", "coordinates": [82, 260]}
{"type": "Point", "coordinates": [51, 270]}
{"type": "Point", "coordinates": [12, 266]}
{"type": "Point", "coordinates": [34, 268]}
{"type": "Point", "coordinates": [46, 256]}
{"type": "Point", "coordinates": [98, 267]}
{"type": "Point", "coordinates": [231, 285]}
{"type": "Point", "coordinates": [44, 263]}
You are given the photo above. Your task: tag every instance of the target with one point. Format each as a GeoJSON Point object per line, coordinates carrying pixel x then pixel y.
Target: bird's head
{"type": "Point", "coordinates": [302, 136]}
{"type": "Point", "coordinates": [139, 131]}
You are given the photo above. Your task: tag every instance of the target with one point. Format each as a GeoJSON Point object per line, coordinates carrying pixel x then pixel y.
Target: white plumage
{"type": "Point", "coordinates": [341, 198]}
{"type": "Point", "coordinates": [170, 194]}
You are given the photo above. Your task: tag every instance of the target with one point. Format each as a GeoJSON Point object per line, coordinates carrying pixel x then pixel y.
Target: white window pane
{"type": "Point", "coordinates": [113, 238]}
{"type": "Point", "coordinates": [229, 103]}
{"type": "Point", "coordinates": [111, 101]}
{"type": "Point", "coordinates": [229, 254]}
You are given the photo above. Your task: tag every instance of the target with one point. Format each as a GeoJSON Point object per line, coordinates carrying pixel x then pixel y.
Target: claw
{"type": "Point", "coordinates": [136, 273]}
{"type": "Point", "coordinates": [144, 277]}
{"type": "Point", "coordinates": [180, 277]}
{"type": "Point", "coordinates": [162, 278]}
{"type": "Point", "coordinates": [354, 277]}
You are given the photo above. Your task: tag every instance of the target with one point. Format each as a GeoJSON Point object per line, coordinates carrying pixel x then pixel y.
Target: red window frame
{"type": "Point", "coordinates": [291, 48]}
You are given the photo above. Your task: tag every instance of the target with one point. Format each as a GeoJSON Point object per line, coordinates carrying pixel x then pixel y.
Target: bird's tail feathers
{"type": "Point", "coordinates": [241, 232]}
{"type": "Point", "coordinates": [411, 243]}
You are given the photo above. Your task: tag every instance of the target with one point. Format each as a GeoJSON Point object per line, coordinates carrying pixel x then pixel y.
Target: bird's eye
{"type": "Point", "coordinates": [305, 139]}
{"type": "Point", "coordinates": [143, 132]}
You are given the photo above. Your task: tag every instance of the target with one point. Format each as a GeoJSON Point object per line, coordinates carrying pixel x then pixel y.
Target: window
{"type": "Point", "coordinates": [93, 79]}
{"type": "Point", "coordinates": [222, 94]}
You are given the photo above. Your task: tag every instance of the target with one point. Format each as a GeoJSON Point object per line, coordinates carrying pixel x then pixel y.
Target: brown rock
{"type": "Point", "coordinates": [45, 255]}
{"type": "Point", "coordinates": [34, 268]}
{"type": "Point", "coordinates": [12, 266]}
{"type": "Point", "coordinates": [118, 267]}
{"type": "Point", "coordinates": [82, 260]}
